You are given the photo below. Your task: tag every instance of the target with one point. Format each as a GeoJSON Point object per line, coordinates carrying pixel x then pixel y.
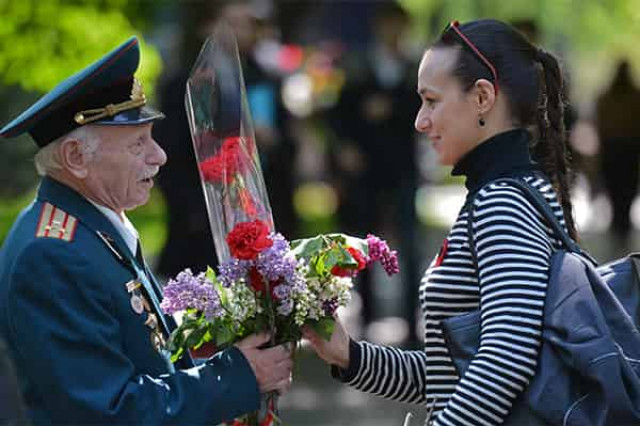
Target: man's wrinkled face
{"type": "Point", "coordinates": [120, 173]}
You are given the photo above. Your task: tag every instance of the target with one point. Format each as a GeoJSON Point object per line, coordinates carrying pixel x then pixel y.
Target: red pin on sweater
{"type": "Point", "coordinates": [442, 253]}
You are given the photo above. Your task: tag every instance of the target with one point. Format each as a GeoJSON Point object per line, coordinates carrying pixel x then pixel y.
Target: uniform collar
{"type": "Point", "coordinates": [505, 154]}
{"type": "Point", "coordinates": [122, 223]}
{"type": "Point", "coordinates": [76, 205]}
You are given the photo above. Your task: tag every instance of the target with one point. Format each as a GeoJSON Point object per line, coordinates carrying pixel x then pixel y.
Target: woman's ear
{"type": "Point", "coordinates": [73, 158]}
{"type": "Point", "coordinates": [485, 95]}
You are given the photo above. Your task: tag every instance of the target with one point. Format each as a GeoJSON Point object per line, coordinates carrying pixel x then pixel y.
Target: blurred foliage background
{"type": "Point", "coordinates": [44, 41]}
{"type": "Point", "coordinates": [591, 35]}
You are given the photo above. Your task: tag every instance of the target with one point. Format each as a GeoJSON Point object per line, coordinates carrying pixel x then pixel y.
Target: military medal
{"type": "Point", "coordinates": [157, 340]}
{"type": "Point", "coordinates": [140, 304]}
{"type": "Point", "coordinates": [132, 285]}
{"type": "Point", "coordinates": [136, 304]}
{"type": "Point", "coordinates": [152, 321]}
{"type": "Point", "coordinates": [137, 301]}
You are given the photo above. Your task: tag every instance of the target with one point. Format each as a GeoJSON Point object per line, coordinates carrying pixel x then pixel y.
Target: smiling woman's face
{"type": "Point", "coordinates": [448, 115]}
{"type": "Point", "coordinates": [121, 171]}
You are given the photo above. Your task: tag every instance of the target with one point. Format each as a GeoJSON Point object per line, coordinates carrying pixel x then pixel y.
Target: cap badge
{"type": "Point", "coordinates": [138, 99]}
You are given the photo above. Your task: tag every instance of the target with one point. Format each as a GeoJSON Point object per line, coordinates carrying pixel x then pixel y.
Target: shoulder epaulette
{"type": "Point", "coordinates": [56, 223]}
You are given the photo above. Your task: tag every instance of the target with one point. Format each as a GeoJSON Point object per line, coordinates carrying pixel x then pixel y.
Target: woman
{"type": "Point", "coordinates": [482, 86]}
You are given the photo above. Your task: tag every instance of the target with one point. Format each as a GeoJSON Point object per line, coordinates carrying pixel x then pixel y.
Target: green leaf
{"type": "Point", "coordinates": [308, 247]}
{"type": "Point", "coordinates": [324, 327]}
{"type": "Point", "coordinates": [261, 323]}
{"type": "Point", "coordinates": [211, 275]}
{"type": "Point", "coordinates": [195, 337]}
{"type": "Point", "coordinates": [175, 356]}
{"type": "Point", "coordinates": [319, 266]}
{"type": "Point", "coordinates": [355, 242]}
{"type": "Point", "coordinates": [346, 259]}
{"type": "Point", "coordinates": [224, 336]}
{"type": "Point", "coordinates": [332, 258]}
{"type": "Point", "coordinates": [180, 334]}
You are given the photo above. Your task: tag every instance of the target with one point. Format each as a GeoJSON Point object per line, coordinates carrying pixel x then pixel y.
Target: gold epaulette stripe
{"type": "Point", "coordinates": [69, 228]}
{"type": "Point", "coordinates": [45, 217]}
{"type": "Point", "coordinates": [56, 223]}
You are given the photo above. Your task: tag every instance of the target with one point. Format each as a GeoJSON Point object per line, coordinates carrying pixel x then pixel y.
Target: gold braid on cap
{"type": "Point", "coordinates": [138, 99]}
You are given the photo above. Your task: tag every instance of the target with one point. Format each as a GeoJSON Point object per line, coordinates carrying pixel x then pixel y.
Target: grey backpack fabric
{"type": "Point", "coordinates": [588, 371]}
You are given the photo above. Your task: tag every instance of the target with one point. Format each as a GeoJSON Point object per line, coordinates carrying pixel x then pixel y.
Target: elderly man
{"type": "Point", "coordinates": [79, 308]}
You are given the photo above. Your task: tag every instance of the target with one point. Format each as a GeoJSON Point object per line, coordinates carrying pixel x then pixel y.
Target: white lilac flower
{"type": "Point", "coordinates": [285, 307]}
{"type": "Point", "coordinates": [241, 303]}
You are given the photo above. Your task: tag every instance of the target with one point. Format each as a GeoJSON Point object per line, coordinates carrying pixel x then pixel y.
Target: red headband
{"type": "Point", "coordinates": [454, 26]}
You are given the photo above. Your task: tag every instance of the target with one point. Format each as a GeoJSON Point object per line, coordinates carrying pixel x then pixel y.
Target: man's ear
{"type": "Point", "coordinates": [485, 95]}
{"type": "Point", "coordinates": [73, 158]}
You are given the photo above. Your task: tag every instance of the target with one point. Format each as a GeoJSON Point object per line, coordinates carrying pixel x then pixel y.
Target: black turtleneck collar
{"type": "Point", "coordinates": [505, 154]}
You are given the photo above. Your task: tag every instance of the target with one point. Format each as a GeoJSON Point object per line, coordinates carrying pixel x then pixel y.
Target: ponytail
{"type": "Point", "coordinates": [551, 150]}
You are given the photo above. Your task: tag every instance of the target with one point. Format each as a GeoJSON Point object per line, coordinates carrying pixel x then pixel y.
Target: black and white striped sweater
{"type": "Point", "coordinates": [514, 246]}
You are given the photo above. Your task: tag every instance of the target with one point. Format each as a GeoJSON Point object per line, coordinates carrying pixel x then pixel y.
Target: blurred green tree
{"type": "Point", "coordinates": [44, 41]}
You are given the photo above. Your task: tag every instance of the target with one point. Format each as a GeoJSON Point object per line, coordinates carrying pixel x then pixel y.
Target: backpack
{"type": "Point", "coordinates": [588, 370]}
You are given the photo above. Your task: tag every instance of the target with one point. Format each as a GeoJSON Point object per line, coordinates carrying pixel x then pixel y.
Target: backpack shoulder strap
{"type": "Point", "coordinates": [539, 202]}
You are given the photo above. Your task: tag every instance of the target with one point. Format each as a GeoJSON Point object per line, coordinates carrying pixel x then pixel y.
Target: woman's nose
{"type": "Point", "coordinates": [422, 121]}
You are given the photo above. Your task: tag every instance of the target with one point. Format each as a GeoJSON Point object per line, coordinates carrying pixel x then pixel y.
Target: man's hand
{"type": "Point", "coordinates": [271, 366]}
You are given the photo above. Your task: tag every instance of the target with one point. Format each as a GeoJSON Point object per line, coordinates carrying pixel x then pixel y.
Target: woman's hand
{"type": "Point", "coordinates": [334, 351]}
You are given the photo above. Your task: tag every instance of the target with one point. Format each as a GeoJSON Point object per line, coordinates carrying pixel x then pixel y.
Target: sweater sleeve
{"type": "Point", "coordinates": [513, 252]}
{"type": "Point", "coordinates": [385, 371]}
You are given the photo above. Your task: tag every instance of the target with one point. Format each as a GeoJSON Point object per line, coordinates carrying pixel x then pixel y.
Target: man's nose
{"type": "Point", "coordinates": [157, 156]}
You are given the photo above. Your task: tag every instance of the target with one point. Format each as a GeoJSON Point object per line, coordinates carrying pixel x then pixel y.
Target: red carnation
{"type": "Point", "coordinates": [359, 257]}
{"type": "Point", "coordinates": [224, 166]}
{"type": "Point", "coordinates": [247, 239]}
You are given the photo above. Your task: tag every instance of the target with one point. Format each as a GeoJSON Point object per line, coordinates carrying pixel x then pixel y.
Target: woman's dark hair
{"type": "Point", "coordinates": [532, 82]}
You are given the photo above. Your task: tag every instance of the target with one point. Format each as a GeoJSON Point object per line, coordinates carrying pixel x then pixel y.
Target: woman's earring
{"type": "Point", "coordinates": [481, 121]}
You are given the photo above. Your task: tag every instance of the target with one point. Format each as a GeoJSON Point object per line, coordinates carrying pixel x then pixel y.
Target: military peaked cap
{"type": "Point", "coordinates": [104, 93]}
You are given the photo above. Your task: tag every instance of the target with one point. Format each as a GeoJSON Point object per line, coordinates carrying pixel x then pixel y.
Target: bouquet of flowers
{"type": "Point", "coordinates": [269, 285]}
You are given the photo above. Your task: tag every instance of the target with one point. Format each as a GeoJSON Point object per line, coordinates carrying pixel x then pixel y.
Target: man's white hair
{"type": "Point", "coordinates": [47, 159]}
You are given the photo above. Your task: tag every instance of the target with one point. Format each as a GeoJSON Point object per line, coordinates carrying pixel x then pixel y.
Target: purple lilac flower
{"type": "Point", "coordinates": [232, 271]}
{"type": "Point", "coordinates": [379, 251]}
{"type": "Point", "coordinates": [330, 306]}
{"type": "Point", "coordinates": [297, 282]}
{"type": "Point", "coordinates": [282, 291]}
{"type": "Point", "coordinates": [189, 291]}
{"type": "Point", "coordinates": [273, 263]}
